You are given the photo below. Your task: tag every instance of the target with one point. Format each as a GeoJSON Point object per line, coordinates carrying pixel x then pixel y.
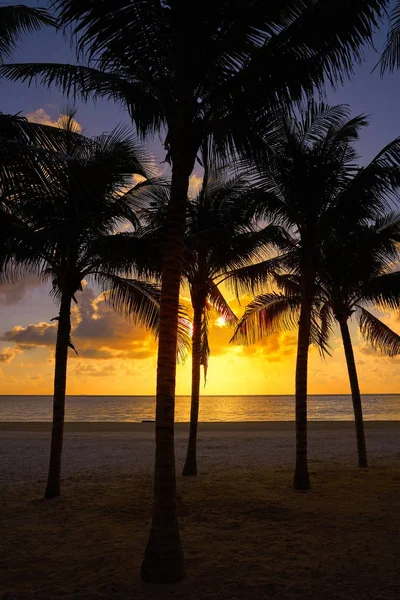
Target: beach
{"type": "Point", "coordinates": [245, 532]}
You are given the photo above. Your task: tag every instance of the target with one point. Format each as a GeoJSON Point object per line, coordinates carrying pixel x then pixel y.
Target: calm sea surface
{"type": "Point", "coordinates": [212, 408]}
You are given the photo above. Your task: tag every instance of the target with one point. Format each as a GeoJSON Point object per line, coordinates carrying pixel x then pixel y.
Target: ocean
{"type": "Point", "coordinates": [377, 407]}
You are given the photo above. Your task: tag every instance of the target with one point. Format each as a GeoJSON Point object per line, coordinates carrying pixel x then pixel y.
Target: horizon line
{"type": "Point", "coordinates": [202, 396]}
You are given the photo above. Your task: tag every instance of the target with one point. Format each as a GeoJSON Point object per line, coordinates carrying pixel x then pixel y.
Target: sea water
{"type": "Point", "coordinates": [382, 407]}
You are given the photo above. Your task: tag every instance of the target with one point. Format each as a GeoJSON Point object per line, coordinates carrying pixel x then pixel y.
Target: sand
{"type": "Point", "coordinates": [245, 533]}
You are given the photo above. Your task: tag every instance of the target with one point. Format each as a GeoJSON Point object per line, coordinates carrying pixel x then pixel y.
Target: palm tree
{"type": "Point", "coordinates": [16, 21]}
{"type": "Point", "coordinates": [220, 75]}
{"type": "Point", "coordinates": [343, 288]}
{"type": "Point", "coordinates": [66, 205]}
{"type": "Point", "coordinates": [312, 186]}
{"type": "Point", "coordinates": [220, 236]}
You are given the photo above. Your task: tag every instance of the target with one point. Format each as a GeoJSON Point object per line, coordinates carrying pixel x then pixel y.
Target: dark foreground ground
{"type": "Point", "coordinates": [245, 533]}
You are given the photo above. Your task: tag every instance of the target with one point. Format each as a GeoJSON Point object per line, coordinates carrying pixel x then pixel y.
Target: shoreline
{"type": "Point", "coordinates": [182, 427]}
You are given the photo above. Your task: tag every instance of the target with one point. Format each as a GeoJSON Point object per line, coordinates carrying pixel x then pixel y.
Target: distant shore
{"type": "Point", "coordinates": [181, 428]}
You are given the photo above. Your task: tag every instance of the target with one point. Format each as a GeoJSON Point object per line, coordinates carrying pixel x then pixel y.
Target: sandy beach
{"type": "Point", "coordinates": [246, 534]}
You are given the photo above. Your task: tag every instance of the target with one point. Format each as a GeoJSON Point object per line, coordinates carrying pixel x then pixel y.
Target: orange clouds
{"type": "Point", "coordinates": [117, 357]}
{"type": "Point", "coordinates": [97, 331]}
{"type": "Point", "coordinates": [40, 116]}
{"type": "Point", "coordinates": [9, 353]}
{"type": "Point", "coordinates": [39, 334]}
{"type": "Point", "coordinates": [195, 183]}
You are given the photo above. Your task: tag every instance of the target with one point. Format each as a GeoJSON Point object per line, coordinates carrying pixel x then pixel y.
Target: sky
{"type": "Point", "coordinates": [117, 357]}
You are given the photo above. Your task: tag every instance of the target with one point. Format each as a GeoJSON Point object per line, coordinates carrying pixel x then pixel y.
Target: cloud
{"type": "Point", "coordinates": [40, 116]}
{"type": "Point", "coordinates": [9, 353]}
{"type": "Point", "coordinates": [90, 370]}
{"type": "Point", "coordinates": [105, 340]}
{"type": "Point", "coordinates": [32, 336]}
{"type": "Point", "coordinates": [11, 294]}
{"type": "Point", "coordinates": [367, 349]}
{"type": "Point", "coordinates": [102, 334]}
{"type": "Point", "coordinates": [195, 182]}
{"type": "Point", "coordinates": [98, 333]}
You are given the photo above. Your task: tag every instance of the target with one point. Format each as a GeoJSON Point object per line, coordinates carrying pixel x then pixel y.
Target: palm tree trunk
{"type": "Point", "coordinates": [190, 467]}
{"type": "Point", "coordinates": [355, 393]}
{"type": "Point", "coordinates": [163, 560]}
{"type": "Point", "coordinates": [301, 475]}
{"type": "Point", "coordinates": [60, 382]}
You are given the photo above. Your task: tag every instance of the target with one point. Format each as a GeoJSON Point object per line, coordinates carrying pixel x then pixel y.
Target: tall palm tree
{"type": "Point", "coordinates": [343, 288]}
{"type": "Point", "coordinates": [66, 204]}
{"type": "Point", "coordinates": [222, 75]}
{"type": "Point", "coordinates": [312, 186]}
{"type": "Point", "coordinates": [18, 20]}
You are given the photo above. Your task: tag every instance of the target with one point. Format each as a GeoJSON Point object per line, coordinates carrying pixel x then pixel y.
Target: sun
{"type": "Point", "coordinates": [220, 322]}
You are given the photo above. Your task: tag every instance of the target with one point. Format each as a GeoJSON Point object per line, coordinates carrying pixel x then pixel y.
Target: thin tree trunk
{"type": "Point", "coordinates": [60, 382]}
{"type": "Point", "coordinates": [301, 475]}
{"type": "Point", "coordinates": [355, 393]}
{"type": "Point", "coordinates": [190, 467]}
{"type": "Point", "coordinates": [163, 560]}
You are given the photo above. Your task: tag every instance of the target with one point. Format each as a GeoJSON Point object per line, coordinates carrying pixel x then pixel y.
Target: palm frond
{"type": "Point", "coordinates": [16, 21]}
{"type": "Point", "coordinates": [288, 283]}
{"type": "Point", "coordinates": [373, 186]}
{"type": "Point", "coordinates": [383, 291]}
{"type": "Point", "coordinates": [320, 332]}
{"type": "Point", "coordinates": [77, 81]}
{"type": "Point", "coordinates": [121, 148]}
{"type": "Point", "coordinates": [140, 301]}
{"type": "Point", "coordinates": [390, 59]}
{"type": "Point", "coordinates": [205, 346]}
{"type": "Point", "coordinates": [22, 135]}
{"type": "Point", "coordinates": [326, 321]}
{"type": "Point", "coordinates": [218, 302]}
{"type": "Point", "coordinates": [266, 314]}
{"type": "Point", "coordinates": [258, 276]}
{"type": "Point", "coordinates": [131, 254]}
{"type": "Point", "coordinates": [133, 299]}
{"type": "Point", "coordinates": [379, 335]}
{"type": "Point", "coordinates": [321, 123]}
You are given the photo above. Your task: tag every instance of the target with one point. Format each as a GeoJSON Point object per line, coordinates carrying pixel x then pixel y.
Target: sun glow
{"type": "Point", "coordinates": [220, 322]}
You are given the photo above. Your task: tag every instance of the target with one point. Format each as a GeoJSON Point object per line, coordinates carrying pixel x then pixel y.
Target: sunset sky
{"type": "Point", "coordinates": [115, 357]}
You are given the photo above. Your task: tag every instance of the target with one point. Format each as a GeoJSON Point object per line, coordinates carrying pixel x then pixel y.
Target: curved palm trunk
{"type": "Point", "coordinates": [60, 382]}
{"type": "Point", "coordinates": [301, 475]}
{"type": "Point", "coordinates": [190, 467]}
{"type": "Point", "coordinates": [163, 560]}
{"type": "Point", "coordinates": [355, 394]}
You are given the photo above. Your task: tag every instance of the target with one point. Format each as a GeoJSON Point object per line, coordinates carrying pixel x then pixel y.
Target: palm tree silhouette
{"type": "Point", "coordinates": [220, 75]}
{"type": "Point", "coordinates": [365, 277]}
{"type": "Point", "coordinates": [312, 186]}
{"type": "Point", "coordinates": [220, 236]}
{"type": "Point", "coordinates": [343, 288]}
{"type": "Point", "coordinates": [67, 197]}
